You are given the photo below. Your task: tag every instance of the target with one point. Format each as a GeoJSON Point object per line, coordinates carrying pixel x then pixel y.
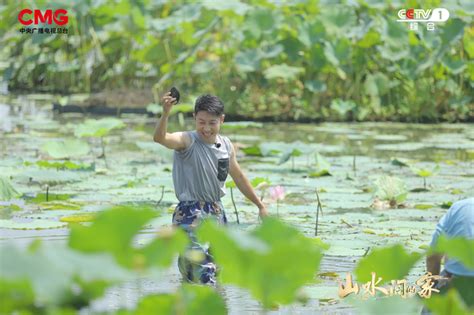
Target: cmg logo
{"type": "Point", "coordinates": [26, 16]}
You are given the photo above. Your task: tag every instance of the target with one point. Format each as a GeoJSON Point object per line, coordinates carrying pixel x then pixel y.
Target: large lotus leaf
{"type": "Point", "coordinates": [283, 71]}
{"type": "Point", "coordinates": [64, 149]}
{"type": "Point", "coordinates": [17, 296]}
{"type": "Point", "coordinates": [261, 19]}
{"type": "Point", "coordinates": [342, 50]}
{"type": "Point", "coordinates": [423, 172]}
{"type": "Point", "coordinates": [56, 272]}
{"type": "Point", "coordinates": [322, 167]}
{"type": "Point", "coordinates": [330, 54]}
{"type": "Point", "coordinates": [247, 61]}
{"type": "Point", "coordinates": [390, 263]}
{"type": "Point", "coordinates": [317, 56]}
{"type": "Point", "coordinates": [342, 107]}
{"type": "Point", "coordinates": [396, 53]}
{"type": "Point", "coordinates": [455, 65]}
{"type": "Point", "coordinates": [252, 150]}
{"type": "Point", "coordinates": [291, 152]}
{"type": "Point", "coordinates": [371, 38]}
{"type": "Point", "coordinates": [270, 51]}
{"type": "Point", "coordinates": [390, 188]}
{"type": "Point", "coordinates": [304, 35]}
{"type": "Point", "coordinates": [315, 86]}
{"type": "Point", "coordinates": [394, 33]}
{"type": "Point", "coordinates": [113, 231]}
{"type": "Point", "coordinates": [450, 303]}
{"type": "Point", "coordinates": [451, 32]}
{"type": "Point", "coordinates": [189, 299]}
{"type": "Point", "coordinates": [98, 127]}
{"type": "Point", "coordinates": [259, 261]}
{"type": "Point", "coordinates": [458, 248]}
{"type": "Point", "coordinates": [162, 249]}
{"type": "Point", "coordinates": [7, 191]}
{"type": "Point", "coordinates": [338, 19]}
{"type": "Point", "coordinates": [316, 31]}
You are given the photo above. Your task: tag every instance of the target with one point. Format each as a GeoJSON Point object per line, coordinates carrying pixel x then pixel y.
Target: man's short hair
{"type": "Point", "coordinates": [209, 103]}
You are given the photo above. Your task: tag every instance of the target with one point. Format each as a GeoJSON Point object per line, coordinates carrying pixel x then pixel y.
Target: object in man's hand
{"type": "Point", "coordinates": [175, 94]}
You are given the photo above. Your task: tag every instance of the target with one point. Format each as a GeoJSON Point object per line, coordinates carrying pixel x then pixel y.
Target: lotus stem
{"type": "Point", "coordinates": [235, 207]}
{"type": "Point", "coordinates": [102, 144]}
{"type": "Point", "coordinates": [162, 194]}
{"type": "Point", "coordinates": [319, 208]}
{"type": "Point", "coordinates": [354, 167]}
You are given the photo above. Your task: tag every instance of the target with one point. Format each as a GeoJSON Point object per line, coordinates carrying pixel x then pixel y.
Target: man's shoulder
{"type": "Point", "coordinates": [226, 138]}
{"type": "Point", "coordinates": [464, 205]}
{"type": "Point", "coordinates": [460, 214]}
{"type": "Point", "coordinates": [227, 142]}
{"type": "Point", "coordinates": [187, 138]}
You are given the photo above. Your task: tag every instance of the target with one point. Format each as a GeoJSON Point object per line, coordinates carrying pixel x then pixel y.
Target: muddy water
{"type": "Point", "coordinates": [356, 152]}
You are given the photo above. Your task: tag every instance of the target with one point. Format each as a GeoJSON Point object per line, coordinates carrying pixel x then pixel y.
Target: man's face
{"type": "Point", "coordinates": [208, 125]}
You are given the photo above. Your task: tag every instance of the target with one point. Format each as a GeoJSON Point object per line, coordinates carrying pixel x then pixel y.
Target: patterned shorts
{"type": "Point", "coordinates": [197, 264]}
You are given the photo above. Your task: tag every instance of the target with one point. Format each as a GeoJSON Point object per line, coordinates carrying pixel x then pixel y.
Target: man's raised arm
{"type": "Point", "coordinates": [175, 140]}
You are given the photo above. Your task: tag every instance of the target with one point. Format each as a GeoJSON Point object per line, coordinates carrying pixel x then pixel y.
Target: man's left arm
{"type": "Point", "coordinates": [433, 263]}
{"type": "Point", "coordinates": [242, 182]}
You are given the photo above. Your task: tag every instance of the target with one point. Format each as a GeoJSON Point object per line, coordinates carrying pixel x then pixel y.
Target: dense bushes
{"type": "Point", "coordinates": [291, 59]}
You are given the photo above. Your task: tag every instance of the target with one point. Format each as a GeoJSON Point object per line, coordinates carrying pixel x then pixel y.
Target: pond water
{"type": "Point", "coordinates": [136, 169]}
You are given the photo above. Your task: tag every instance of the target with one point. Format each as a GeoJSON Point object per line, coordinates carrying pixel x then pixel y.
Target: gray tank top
{"type": "Point", "coordinates": [200, 170]}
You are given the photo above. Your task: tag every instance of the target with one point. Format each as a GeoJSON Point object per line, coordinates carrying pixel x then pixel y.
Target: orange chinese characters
{"type": "Point", "coordinates": [348, 288]}
{"type": "Point", "coordinates": [401, 287]}
{"type": "Point", "coordinates": [426, 283]}
{"type": "Point", "coordinates": [371, 286]}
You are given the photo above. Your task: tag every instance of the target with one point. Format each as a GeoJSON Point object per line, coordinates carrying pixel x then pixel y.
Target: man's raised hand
{"type": "Point", "coordinates": [168, 101]}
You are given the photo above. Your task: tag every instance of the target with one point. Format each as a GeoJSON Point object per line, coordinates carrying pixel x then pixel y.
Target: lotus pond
{"type": "Point", "coordinates": [379, 184]}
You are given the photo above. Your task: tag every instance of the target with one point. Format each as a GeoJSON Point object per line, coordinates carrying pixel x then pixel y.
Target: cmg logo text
{"type": "Point", "coordinates": [28, 17]}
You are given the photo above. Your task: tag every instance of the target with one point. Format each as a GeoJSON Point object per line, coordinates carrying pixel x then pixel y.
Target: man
{"type": "Point", "coordinates": [202, 160]}
{"type": "Point", "coordinates": [457, 222]}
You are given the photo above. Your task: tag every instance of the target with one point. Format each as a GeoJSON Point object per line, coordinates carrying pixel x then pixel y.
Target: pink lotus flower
{"type": "Point", "coordinates": [277, 193]}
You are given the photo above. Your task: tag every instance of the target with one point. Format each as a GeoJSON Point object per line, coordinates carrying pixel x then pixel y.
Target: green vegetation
{"type": "Point", "coordinates": [35, 281]}
{"type": "Point", "coordinates": [275, 59]}
{"type": "Point", "coordinates": [256, 262]}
